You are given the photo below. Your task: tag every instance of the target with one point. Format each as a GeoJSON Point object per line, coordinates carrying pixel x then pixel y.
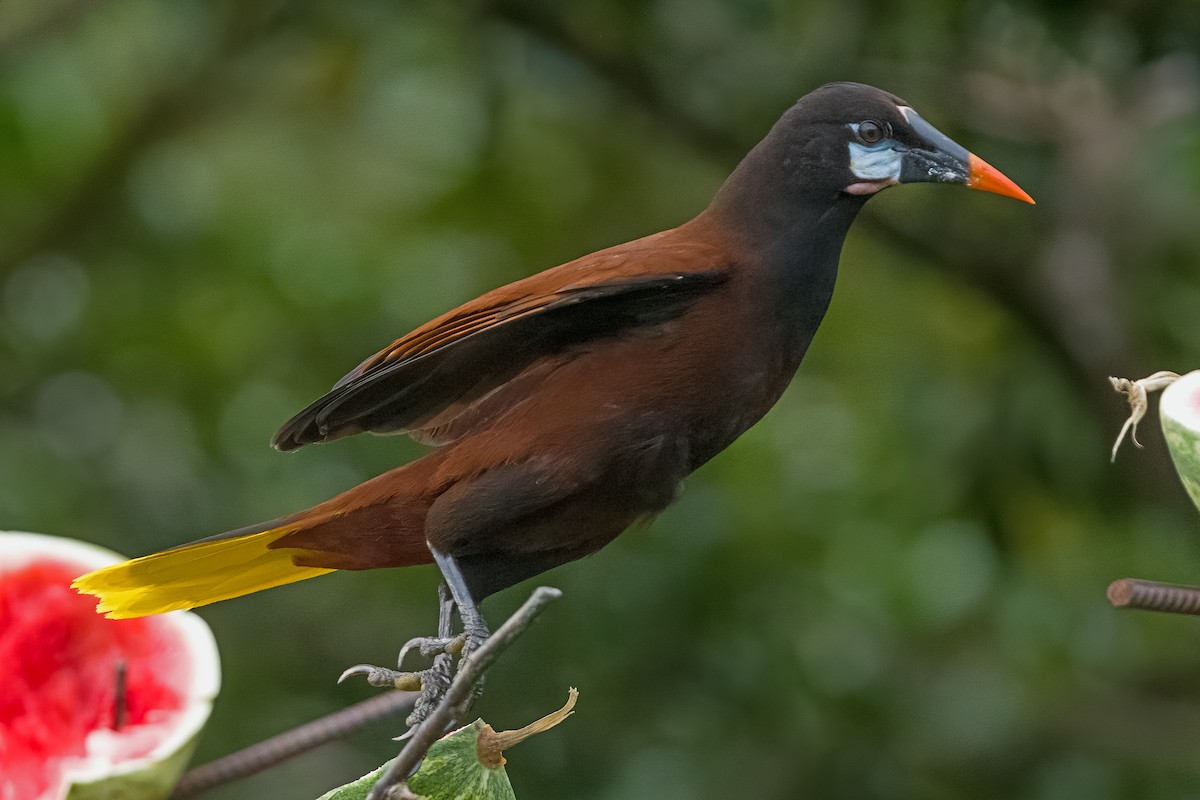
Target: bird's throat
{"type": "Point", "coordinates": [798, 268]}
{"type": "Point", "coordinates": [789, 259]}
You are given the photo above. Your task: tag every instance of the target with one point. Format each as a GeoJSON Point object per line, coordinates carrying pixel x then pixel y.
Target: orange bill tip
{"type": "Point", "coordinates": [989, 179]}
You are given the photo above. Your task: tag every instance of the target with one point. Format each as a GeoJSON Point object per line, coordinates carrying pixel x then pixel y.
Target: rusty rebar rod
{"type": "Point", "coordinates": [1154, 596]}
{"type": "Point", "coordinates": [277, 749]}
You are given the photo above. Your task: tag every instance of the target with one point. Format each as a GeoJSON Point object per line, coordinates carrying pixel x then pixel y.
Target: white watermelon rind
{"type": "Point", "coordinates": [1180, 417]}
{"type": "Point", "coordinates": [150, 777]}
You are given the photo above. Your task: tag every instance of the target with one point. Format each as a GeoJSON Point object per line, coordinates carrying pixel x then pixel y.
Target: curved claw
{"type": "Point", "coordinates": [409, 645]}
{"type": "Point", "coordinates": [357, 669]}
{"type": "Point", "coordinates": [429, 646]}
{"type": "Point", "coordinates": [386, 678]}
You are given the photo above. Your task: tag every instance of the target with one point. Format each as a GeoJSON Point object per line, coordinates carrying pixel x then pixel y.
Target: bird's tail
{"type": "Point", "coordinates": [379, 523]}
{"type": "Point", "coordinates": [196, 574]}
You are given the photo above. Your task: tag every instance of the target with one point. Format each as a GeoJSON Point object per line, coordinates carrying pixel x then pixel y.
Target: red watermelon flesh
{"type": "Point", "coordinates": [58, 664]}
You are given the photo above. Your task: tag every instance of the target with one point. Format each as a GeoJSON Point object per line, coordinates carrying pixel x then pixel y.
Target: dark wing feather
{"type": "Point", "coordinates": [471, 351]}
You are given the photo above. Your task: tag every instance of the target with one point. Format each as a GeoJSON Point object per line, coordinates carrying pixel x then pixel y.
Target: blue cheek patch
{"type": "Point", "coordinates": [876, 162]}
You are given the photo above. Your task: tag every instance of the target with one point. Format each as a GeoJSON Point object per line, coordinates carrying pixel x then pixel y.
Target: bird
{"type": "Point", "coordinates": [566, 406]}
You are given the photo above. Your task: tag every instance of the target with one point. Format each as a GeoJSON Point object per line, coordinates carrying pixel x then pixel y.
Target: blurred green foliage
{"type": "Point", "coordinates": [893, 587]}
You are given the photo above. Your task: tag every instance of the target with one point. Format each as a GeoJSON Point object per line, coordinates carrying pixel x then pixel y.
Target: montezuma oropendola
{"type": "Point", "coordinates": [572, 403]}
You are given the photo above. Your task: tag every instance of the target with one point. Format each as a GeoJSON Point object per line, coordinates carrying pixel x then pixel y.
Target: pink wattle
{"type": "Point", "coordinates": [869, 187]}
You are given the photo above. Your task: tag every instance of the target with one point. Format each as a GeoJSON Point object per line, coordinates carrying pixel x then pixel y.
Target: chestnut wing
{"type": "Point", "coordinates": [466, 354]}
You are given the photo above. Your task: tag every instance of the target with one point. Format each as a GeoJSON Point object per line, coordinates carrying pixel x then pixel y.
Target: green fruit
{"type": "Point", "coordinates": [1179, 411]}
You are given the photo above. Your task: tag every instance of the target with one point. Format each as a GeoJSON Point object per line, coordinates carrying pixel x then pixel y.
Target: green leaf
{"type": "Point", "coordinates": [451, 771]}
{"type": "Point", "coordinates": [458, 767]}
{"type": "Point", "coordinates": [356, 790]}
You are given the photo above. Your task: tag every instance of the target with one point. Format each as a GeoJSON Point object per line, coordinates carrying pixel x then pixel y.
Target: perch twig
{"type": "Point", "coordinates": [460, 694]}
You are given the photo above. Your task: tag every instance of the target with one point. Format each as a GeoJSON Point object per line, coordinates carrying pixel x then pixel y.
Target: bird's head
{"type": "Point", "coordinates": [865, 139]}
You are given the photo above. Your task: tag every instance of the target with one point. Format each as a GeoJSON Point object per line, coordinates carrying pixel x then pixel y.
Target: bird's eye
{"type": "Point", "coordinates": [870, 131]}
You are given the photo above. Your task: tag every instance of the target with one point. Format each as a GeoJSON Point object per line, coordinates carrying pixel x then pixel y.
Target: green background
{"type": "Point", "coordinates": [893, 587]}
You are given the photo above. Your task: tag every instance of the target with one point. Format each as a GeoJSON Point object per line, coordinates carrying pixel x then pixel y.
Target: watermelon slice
{"type": "Point", "coordinates": [92, 707]}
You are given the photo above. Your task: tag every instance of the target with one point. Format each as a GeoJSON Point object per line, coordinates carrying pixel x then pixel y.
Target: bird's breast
{"type": "Point", "coordinates": [734, 369]}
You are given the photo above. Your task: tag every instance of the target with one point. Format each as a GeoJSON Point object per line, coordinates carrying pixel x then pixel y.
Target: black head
{"type": "Point", "coordinates": [851, 140]}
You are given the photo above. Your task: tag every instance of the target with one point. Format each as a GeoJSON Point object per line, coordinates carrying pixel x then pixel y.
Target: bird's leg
{"type": "Point", "coordinates": [475, 631]}
{"type": "Point", "coordinates": [445, 640]}
{"type": "Point", "coordinates": [434, 681]}
{"type": "Point", "coordinates": [452, 594]}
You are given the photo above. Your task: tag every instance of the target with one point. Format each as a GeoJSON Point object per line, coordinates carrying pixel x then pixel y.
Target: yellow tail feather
{"type": "Point", "coordinates": [194, 575]}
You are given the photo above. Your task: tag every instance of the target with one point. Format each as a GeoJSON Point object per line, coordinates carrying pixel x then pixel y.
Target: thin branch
{"type": "Point", "coordinates": [460, 694]}
{"type": "Point", "coordinates": [287, 745]}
